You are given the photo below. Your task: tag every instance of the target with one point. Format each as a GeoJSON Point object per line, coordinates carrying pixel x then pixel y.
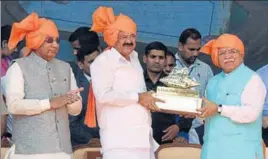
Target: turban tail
{"type": "Point", "coordinates": [34, 30]}
{"type": "Point", "coordinates": [90, 118]}
{"type": "Point", "coordinates": [226, 40]}
{"type": "Point", "coordinates": [104, 21]}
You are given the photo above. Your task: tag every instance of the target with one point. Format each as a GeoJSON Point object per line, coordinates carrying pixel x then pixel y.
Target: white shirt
{"type": "Point", "coordinates": [116, 82]}
{"type": "Point", "coordinates": [18, 105]}
{"type": "Point", "coordinates": [9, 117]}
{"type": "Point", "coordinates": [87, 77]}
{"type": "Point", "coordinates": [3, 80]}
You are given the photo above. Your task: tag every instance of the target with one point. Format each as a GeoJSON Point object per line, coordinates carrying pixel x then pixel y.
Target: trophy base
{"type": "Point", "coordinates": [179, 104]}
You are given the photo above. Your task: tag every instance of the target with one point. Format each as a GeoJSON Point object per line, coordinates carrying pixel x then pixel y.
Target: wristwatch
{"type": "Point", "coordinates": [219, 108]}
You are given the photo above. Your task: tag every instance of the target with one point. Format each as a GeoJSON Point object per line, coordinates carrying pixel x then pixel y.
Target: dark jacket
{"type": "Point", "coordinates": [80, 133]}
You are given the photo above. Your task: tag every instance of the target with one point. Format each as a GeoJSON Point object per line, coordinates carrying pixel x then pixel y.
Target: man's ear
{"type": "Point", "coordinates": [80, 64]}
{"type": "Point", "coordinates": [180, 47]}
{"type": "Point", "coordinates": [4, 44]}
{"type": "Point", "coordinates": [242, 57]}
{"type": "Point", "coordinates": [144, 58]}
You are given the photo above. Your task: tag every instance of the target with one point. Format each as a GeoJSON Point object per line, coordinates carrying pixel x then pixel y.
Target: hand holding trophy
{"type": "Point", "coordinates": [179, 96]}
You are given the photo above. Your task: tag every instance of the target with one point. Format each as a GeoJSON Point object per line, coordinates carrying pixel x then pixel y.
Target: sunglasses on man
{"type": "Point", "coordinates": [50, 40]}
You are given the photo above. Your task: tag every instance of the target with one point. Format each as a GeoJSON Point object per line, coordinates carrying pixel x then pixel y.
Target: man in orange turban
{"type": "Point", "coordinates": [38, 93]}
{"type": "Point", "coordinates": [233, 104]}
{"type": "Point", "coordinates": [121, 99]}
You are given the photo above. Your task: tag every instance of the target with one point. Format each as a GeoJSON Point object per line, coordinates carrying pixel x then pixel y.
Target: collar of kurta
{"type": "Point", "coordinates": [237, 70]}
{"type": "Point", "coordinates": [118, 56]}
{"type": "Point", "coordinates": [87, 77]}
{"type": "Point", "coordinates": [39, 59]}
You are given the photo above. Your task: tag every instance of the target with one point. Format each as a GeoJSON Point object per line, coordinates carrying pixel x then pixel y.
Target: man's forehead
{"type": "Point", "coordinates": [54, 37]}
{"type": "Point", "coordinates": [169, 57]}
{"type": "Point", "coordinates": [155, 52]}
{"type": "Point", "coordinates": [122, 33]}
{"type": "Point", "coordinates": [191, 41]}
{"type": "Point", "coordinates": [225, 49]}
{"type": "Point", "coordinates": [76, 44]}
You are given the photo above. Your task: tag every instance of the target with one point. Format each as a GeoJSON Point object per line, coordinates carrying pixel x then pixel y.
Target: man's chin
{"type": "Point", "coordinates": [190, 62]}
{"type": "Point", "coordinates": [156, 71]}
{"type": "Point", "coordinates": [52, 54]}
{"type": "Point", "coordinates": [128, 49]}
{"type": "Point", "coordinates": [48, 58]}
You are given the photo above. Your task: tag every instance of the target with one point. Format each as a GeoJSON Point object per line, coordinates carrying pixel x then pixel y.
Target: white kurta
{"type": "Point", "coordinates": [11, 155]}
{"type": "Point", "coordinates": [18, 105]}
{"type": "Point", "coordinates": [124, 123]}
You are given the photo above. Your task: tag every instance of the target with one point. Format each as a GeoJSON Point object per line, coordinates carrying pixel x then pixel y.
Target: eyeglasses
{"type": "Point", "coordinates": [230, 51]}
{"type": "Point", "coordinates": [50, 40]}
{"type": "Point", "coordinates": [125, 37]}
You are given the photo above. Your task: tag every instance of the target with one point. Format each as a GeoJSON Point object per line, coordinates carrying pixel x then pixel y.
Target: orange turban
{"type": "Point", "coordinates": [226, 40]}
{"type": "Point", "coordinates": [34, 29]}
{"type": "Point", "coordinates": [104, 21]}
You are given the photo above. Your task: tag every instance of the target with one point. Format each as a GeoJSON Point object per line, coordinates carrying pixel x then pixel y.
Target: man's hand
{"type": "Point", "coordinates": [58, 102]}
{"type": "Point", "coordinates": [171, 132]}
{"type": "Point", "coordinates": [78, 90]}
{"type": "Point", "coordinates": [68, 98]}
{"type": "Point", "coordinates": [209, 109]}
{"type": "Point", "coordinates": [147, 100]}
{"type": "Point", "coordinates": [73, 96]}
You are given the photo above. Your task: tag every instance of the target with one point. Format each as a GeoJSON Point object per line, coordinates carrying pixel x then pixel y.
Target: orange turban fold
{"type": "Point", "coordinates": [34, 29]}
{"type": "Point", "coordinates": [104, 21]}
{"type": "Point", "coordinates": [226, 40]}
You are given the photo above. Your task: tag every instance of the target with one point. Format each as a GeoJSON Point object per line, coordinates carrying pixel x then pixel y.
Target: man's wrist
{"type": "Point", "coordinates": [219, 108]}
{"type": "Point", "coordinates": [178, 125]}
{"type": "Point", "coordinates": [139, 94]}
{"type": "Point", "coordinates": [45, 105]}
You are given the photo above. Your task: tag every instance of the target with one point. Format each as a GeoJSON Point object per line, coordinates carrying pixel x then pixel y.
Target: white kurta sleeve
{"type": "Point", "coordinates": [16, 103]}
{"type": "Point", "coordinates": [252, 98]}
{"type": "Point", "coordinates": [76, 107]}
